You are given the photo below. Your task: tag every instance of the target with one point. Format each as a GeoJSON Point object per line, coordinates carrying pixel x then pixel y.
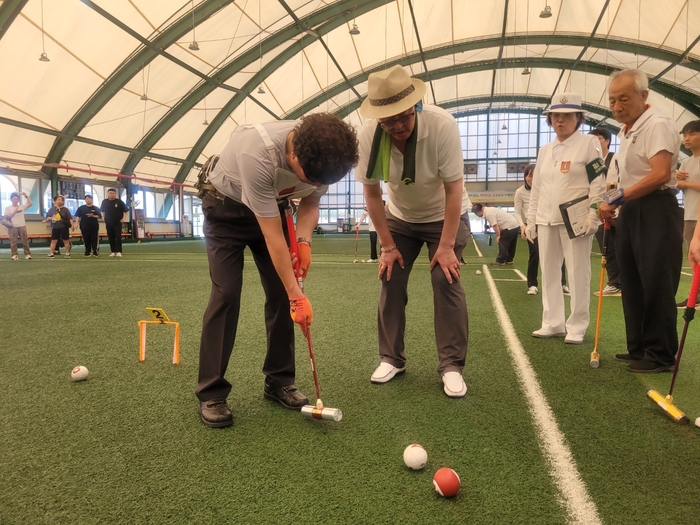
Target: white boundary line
{"type": "Point", "coordinates": [578, 504]}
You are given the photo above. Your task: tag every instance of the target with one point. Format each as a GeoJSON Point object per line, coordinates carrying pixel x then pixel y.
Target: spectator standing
{"type": "Point", "coordinates": [417, 152]}
{"type": "Point", "coordinates": [688, 180]}
{"type": "Point", "coordinates": [87, 216]}
{"type": "Point", "coordinates": [506, 228]}
{"type": "Point", "coordinates": [373, 257]}
{"type": "Point", "coordinates": [649, 225]}
{"type": "Point", "coordinates": [562, 175]}
{"type": "Point", "coordinates": [61, 221]}
{"type": "Point", "coordinates": [15, 214]}
{"type": "Point", "coordinates": [114, 210]}
{"type": "Point", "coordinates": [612, 289]}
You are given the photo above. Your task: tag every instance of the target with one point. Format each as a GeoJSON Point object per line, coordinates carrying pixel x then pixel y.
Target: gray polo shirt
{"type": "Point", "coordinates": [246, 173]}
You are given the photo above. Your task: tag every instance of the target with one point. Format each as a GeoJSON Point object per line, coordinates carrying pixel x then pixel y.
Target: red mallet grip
{"type": "Point", "coordinates": [694, 287]}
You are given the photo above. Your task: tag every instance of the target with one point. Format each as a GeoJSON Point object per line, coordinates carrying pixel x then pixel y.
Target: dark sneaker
{"type": "Point", "coordinates": [496, 263]}
{"type": "Point", "coordinates": [644, 366]}
{"type": "Point", "coordinates": [215, 413]}
{"type": "Point", "coordinates": [287, 396]}
{"type": "Point", "coordinates": [625, 358]}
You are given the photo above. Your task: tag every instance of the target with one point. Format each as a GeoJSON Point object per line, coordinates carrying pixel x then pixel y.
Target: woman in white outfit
{"type": "Point", "coordinates": [567, 168]}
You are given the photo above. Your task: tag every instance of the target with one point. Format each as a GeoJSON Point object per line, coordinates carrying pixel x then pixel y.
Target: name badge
{"type": "Point", "coordinates": [565, 166]}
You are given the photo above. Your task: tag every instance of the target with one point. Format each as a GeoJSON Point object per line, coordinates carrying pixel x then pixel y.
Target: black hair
{"type": "Point", "coordinates": [691, 127]}
{"type": "Point", "coordinates": [477, 208]}
{"type": "Point", "coordinates": [602, 132]}
{"type": "Point", "coordinates": [326, 147]}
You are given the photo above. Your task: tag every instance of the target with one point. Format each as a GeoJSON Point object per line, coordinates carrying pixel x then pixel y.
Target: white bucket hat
{"type": "Point", "coordinates": [565, 103]}
{"type": "Point", "coordinates": [391, 92]}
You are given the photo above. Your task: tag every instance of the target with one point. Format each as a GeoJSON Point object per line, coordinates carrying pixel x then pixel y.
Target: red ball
{"type": "Point", "coordinates": [446, 482]}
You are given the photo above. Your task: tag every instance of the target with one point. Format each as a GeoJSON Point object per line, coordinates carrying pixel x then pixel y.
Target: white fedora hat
{"type": "Point", "coordinates": [391, 92]}
{"type": "Point", "coordinates": [565, 103]}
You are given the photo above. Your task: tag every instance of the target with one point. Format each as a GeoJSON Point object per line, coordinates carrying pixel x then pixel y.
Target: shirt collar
{"type": "Point", "coordinates": [648, 113]}
{"type": "Point", "coordinates": [573, 139]}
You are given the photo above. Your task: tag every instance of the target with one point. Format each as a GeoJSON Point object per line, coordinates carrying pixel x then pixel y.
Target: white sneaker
{"type": "Point", "coordinates": [385, 373]}
{"type": "Point", "coordinates": [454, 384]}
{"type": "Point", "coordinates": [372, 260]}
{"type": "Point", "coordinates": [119, 254]}
{"type": "Point", "coordinates": [565, 289]}
{"type": "Point", "coordinates": [27, 257]}
{"type": "Point", "coordinates": [532, 290]}
{"type": "Point", "coordinates": [543, 333]}
{"type": "Point", "coordinates": [112, 254]}
{"type": "Point", "coordinates": [609, 291]}
{"type": "Point", "coordinates": [573, 339]}
{"type": "Point", "coordinates": [14, 258]}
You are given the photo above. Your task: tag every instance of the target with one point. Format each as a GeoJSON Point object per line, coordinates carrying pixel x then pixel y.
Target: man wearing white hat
{"type": "Point", "coordinates": [417, 152]}
{"type": "Point", "coordinates": [568, 169]}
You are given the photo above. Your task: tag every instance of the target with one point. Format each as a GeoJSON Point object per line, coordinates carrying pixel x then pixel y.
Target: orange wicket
{"type": "Point", "coordinates": [142, 339]}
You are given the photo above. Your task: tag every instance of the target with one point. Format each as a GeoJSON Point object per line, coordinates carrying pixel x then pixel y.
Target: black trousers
{"type": "Point", "coordinates": [611, 257]}
{"type": "Point", "coordinates": [90, 238]}
{"type": "Point", "coordinates": [114, 233]}
{"type": "Point", "coordinates": [650, 254]}
{"type": "Point", "coordinates": [228, 228]}
{"type": "Point", "coordinates": [533, 263]}
{"type": "Point", "coordinates": [507, 244]}
{"type": "Point", "coordinates": [373, 246]}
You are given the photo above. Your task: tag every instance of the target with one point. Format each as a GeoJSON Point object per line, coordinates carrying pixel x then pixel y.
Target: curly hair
{"type": "Point", "coordinates": [326, 147]}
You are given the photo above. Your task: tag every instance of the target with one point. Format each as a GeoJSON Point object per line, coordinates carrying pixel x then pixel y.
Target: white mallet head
{"type": "Point", "coordinates": [79, 373]}
{"type": "Point", "coordinates": [415, 457]}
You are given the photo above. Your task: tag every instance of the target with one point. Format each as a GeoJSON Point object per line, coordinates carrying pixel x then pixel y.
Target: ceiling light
{"type": "Point", "coordinates": [499, 141]}
{"type": "Point", "coordinates": [144, 97]}
{"type": "Point", "coordinates": [546, 12]}
{"type": "Point", "coordinates": [354, 31]}
{"type": "Point", "coordinates": [504, 127]}
{"type": "Point", "coordinates": [44, 58]}
{"type": "Point", "coordinates": [261, 91]}
{"type": "Point", "coordinates": [205, 123]}
{"type": "Point", "coordinates": [526, 71]}
{"type": "Point", "coordinates": [194, 46]}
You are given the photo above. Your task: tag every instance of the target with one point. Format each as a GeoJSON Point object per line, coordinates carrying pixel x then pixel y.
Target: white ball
{"type": "Point", "coordinates": [697, 422]}
{"type": "Point", "coordinates": [478, 272]}
{"type": "Point", "coordinates": [79, 373]}
{"type": "Point", "coordinates": [415, 457]}
{"type": "Point", "coordinates": [362, 260]}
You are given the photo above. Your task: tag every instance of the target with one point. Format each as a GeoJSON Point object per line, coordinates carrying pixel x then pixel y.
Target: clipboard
{"type": "Point", "coordinates": [575, 213]}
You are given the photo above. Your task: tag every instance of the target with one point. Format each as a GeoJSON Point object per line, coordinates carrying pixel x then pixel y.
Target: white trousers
{"type": "Point", "coordinates": [556, 247]}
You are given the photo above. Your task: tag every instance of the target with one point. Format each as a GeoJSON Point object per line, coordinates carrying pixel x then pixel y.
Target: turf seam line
{"type": "Point", "coordinates": [578, 504]}
{"type": "Point", "coordinates": [476, 247]}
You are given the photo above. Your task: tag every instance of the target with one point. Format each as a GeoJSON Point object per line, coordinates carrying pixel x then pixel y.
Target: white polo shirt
{"type": "Point", "coordinates": [438, 160]}
{"type": "Point", "coordinates": [691, 198]}
{"type": "Point", "coordinates": [650, 134]}
{"type": "Point", "coordinates": [560, 176]}
{"type": "Point", "coordinates": [500, 218]}
{"type": "Point", "coordinates": [522, 203]}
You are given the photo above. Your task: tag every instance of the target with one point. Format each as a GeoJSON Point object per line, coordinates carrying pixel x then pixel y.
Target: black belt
{"type": "Point", "coordinates": [228, 201]}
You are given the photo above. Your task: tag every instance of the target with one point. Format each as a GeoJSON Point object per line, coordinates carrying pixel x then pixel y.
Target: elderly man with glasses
{"type": "Point", "coordinates": [416, 151]}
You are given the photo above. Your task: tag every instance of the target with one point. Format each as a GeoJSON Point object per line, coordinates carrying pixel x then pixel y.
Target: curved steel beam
{"type": "Point", "coordinates": [341, 16]}
{"type": "Point", "coordinates": [682, 97]}
{"type": "Point", "coordinates": [129, 68]}
{"type": "Point", "coordinates": [8, 12]}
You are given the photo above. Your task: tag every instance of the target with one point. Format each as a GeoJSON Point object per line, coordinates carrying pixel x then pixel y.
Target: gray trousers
{"type": "Point", "coordinates": [20, 232]}
{"type": "Point", "coordinates": [449, 301]}
{"type": "Point", "coordinates": [228, 228]}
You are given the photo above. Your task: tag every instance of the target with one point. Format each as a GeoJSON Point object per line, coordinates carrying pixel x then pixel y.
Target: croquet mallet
{"type": "Point", "coordinates": [666, 403]}
{"type": "Point", "coordinates": [310, 411]}
{"type": "Point", "coordinates": [595, 356]}
{"type": "Point", "coordinates": [357, 240]}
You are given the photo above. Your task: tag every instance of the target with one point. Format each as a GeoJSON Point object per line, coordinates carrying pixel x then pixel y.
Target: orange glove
{"type": "Point", "coordinates": [301, 312]}
{"type": "Point", "coordinates": [304, 256]}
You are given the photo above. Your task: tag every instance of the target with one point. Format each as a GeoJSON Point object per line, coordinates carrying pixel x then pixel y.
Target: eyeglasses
{"type": "Point", "coordinates": [392, 122]}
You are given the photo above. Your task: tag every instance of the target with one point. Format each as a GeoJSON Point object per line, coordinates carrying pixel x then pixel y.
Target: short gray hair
{"type": "Point", "coordinates": [641, 82]}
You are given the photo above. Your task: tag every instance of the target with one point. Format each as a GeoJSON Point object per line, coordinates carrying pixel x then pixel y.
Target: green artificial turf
{"type": "Point", "coordinates": [126, 446]}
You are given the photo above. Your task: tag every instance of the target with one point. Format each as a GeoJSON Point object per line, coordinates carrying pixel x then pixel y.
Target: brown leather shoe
{"type": "Point", "coordinates": [215, 413]}
{"type": "Point", "coordinates": [288, 396]}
